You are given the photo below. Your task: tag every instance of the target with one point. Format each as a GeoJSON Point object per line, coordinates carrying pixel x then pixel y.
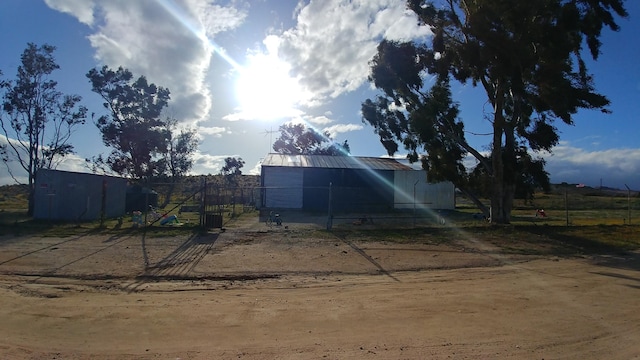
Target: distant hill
{"type": "Point", "coordinates": [14, 197]}
{"type": "Point", "coordinates": [580, 189]}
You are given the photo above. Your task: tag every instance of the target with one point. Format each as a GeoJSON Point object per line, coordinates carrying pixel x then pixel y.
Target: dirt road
{"type": "Point", "coordinates": [307, 294]}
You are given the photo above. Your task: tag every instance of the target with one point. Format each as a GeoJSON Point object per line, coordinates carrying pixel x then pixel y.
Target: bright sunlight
{"type": "Point", "coordinates": [266, 91]}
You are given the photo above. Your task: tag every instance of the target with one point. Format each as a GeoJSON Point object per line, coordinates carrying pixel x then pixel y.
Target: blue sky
{"type": "Point", "coordinates": [239, 69]}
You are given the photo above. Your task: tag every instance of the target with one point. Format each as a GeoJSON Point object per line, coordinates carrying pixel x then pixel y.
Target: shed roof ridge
{"type": "Point", "coordinates": [334, 162]}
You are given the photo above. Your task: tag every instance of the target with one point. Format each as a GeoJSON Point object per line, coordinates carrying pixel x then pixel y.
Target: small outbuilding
{"type": "Point", "coordinates": [66, 195]}
{"type": "Point", "coordinates": [346, 183]}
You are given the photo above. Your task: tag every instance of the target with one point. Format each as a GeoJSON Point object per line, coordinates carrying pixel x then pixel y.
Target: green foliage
{"type": "Point", "coordinates": [531, 177]}
{"type": "Point", "coordinates": [133, 129]}
{"type": "Point", "coordinates": [232, 166]}
{"type": "Point", "coordinates": [176, 162]}
{"type": "Point", "coordinates": [231, 169]}
{"type": "Point", "coordinates": [527, 56]}
{"type": "Point", "coordinates": [181, 146]}
{"type": "Point", "coordinates": [40, 119]}
{"type": "Point", "coordinates": [297, 139]}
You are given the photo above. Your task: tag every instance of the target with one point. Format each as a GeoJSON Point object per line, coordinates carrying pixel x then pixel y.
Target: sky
{"type": "Point", "coordinates": [239, 69]}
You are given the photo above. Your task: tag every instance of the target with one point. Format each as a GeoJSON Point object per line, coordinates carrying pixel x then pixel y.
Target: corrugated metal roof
{"type": "Point", "coordinates": [333, 162]}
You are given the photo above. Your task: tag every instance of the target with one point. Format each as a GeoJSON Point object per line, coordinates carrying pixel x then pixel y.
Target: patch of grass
{"type": "Point", "coordinates": [18, 223]}
{"type": "Point", "coordinates": [595, 239]}
{"type": "Point", "coordinates": [13, 217]}
{"type": "Point", "coordinates": [14, 197]}
{"type": "Point", "coordinates": [401, 236]}
{"type": "Point", "coordinates": [513, 239]}
{"type": "Point", "coordinates": [599, 223]}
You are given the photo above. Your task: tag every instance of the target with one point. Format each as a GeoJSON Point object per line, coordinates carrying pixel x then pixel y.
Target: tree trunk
{"type": "Point", "coordinates": [31, 201]}
{"type": "Point", "coordinates": [32, 192]}
{"type": "Point", "coordinates": [482, 207]}
{"type": "Point", "coordinates": [167, 198]}
{"type": "Point", "coordinates": [498, 191]}
{"type": "Point", "coordinates": [504, 174]}
{"type": "Point", "coordinates": [502, 203]}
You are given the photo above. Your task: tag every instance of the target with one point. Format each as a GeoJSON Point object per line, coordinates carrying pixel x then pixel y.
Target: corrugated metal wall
{"type": "Point", "coordinates": [65, 195]}
{"type": "Point", "coordinates": [293, 185]}
{"type": "Point", "coordinates": [432, 196]}
{"type": "Point", "coordinates": [282, 187]}
{"type": "Point", "coordinates": [353, 190]}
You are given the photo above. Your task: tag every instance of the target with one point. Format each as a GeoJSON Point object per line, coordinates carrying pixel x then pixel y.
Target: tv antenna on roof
{"type": "Point", "coordinates": [269, 132]}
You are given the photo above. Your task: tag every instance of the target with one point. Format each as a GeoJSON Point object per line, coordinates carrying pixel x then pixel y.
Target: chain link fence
{"type": "Point", "coordinates": [200, 201]}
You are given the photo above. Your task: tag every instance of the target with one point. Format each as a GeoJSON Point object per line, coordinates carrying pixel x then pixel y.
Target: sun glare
{"type": "Point", "coordinates": [266, 91]}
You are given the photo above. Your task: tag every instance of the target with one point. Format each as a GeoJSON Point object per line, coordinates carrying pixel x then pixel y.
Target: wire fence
{"type": "Point", "coordinates": [211, 204]}
{"type": "Point", "coordinates": [203, 202]}
{"type": "Point", "coordinates": [362, 205]}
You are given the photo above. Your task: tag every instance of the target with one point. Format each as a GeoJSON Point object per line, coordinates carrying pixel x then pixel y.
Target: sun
{"type": "Point", "coordinates": [265, 89]}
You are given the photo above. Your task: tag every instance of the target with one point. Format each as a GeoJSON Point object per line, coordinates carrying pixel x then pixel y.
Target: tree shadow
{"type": "Point", "coordinates": [48, 247]}
{"type": "Point", "coordinates": [343, 238]}
{"type": "Point", "coordinates": [86, 256]}
{"type": "Point", "coordinates": [629, 261]}
{"type": "Point", "coordinates": [567, 241]}
{"type": "Point", "coordinates": [619, 262]}
{"type": "Point", "coordinates": [178, 264]}
{"type": "Point", "coordinates": [614, 254]}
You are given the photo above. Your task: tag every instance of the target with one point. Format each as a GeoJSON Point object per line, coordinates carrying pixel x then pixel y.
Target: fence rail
{"type": "Point", "coordinates": [211, 204]}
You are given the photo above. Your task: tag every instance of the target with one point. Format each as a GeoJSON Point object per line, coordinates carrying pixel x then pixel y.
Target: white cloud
{"type": "Point", "coordinates": [212, 164]}
{"type": "Point", "coordinates": [11, 171]}
{"type": "Point", "coordinates": [74, 163]}
{"type": "Point", "coordinates": [237, 116]}
{"type": "Point", "coordinates": [334, 130]}
{"type": "Point", "coordinates": [204, 164]}
{"type": "Point", "coordinates": [319, 120]}
{"type": "Point", "coordinates": [334, 41]}
{"type": "Point", "coordinates": [215, 131]}
{"type": "Point", "coordinates": [255, 170]}
{"type": "Point", "coordinates": [398, 23]}
{"type": "Point", "coordinates": [574, 165]}
{"type": "Point", "coordinates": [166, 41]}
{"type": "Point", "coordinates": [70, 162]}
{"type": "Point", "coordinates": [252, 115]}
{"type": "Point", "coordinates": [613, 167]}
{"type": "Point", "coordinates": [81, 9]}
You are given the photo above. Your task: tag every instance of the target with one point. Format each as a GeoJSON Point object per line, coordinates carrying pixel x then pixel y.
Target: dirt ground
{"type": "Point", "coordinates": [301, 293]}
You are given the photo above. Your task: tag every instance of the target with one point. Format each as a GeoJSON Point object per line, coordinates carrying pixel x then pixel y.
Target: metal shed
{"type": "Point", "coordinates": [66, 195]}
{"type": "Point", "coordinates": [310, 182]}
{"type": "Point", "coordinates": [350, 183]}
{"type": "Point", "coordinates": [413, 191]}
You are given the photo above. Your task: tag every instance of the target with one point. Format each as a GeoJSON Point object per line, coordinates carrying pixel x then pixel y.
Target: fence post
{"type": "Point", "coordinates": [146, 207]}
{"type": "Point", "coordinates": [203, 204]}
{"type": "Point", "coordinates": [628, 204]}
{"type": "Point", "coordinates": [566, 203]}
{"type": "Point", "coordinates": [330, 210]}
{"type": "Point", "coordinates": [414, 202]}
{"type": "Point", "coordinates": [103, 202]}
